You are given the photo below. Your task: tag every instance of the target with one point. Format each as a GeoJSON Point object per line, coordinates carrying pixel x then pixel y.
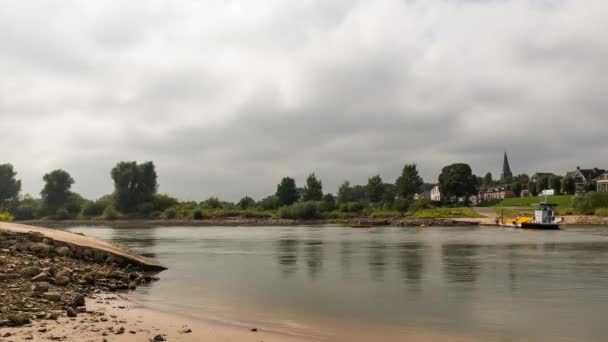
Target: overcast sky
{"type": "Point", "coordinates": [228, 96]}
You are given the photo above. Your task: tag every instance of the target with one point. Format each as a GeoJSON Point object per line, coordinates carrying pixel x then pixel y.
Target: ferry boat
{"type": "Point", "coordinates": [544, 218]}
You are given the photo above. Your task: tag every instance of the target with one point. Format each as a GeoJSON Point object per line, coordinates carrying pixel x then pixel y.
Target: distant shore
{"type": "Point", "coordinates": [235, 222]}
{"type": "Point", "coordinates": [255, 222]}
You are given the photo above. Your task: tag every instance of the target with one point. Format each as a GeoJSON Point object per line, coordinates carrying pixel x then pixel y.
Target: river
{"type": "Point", "coordinates": [473, 283]}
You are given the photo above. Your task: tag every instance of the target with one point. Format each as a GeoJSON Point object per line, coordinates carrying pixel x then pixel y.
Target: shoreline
{"type": "Point", "coordinates": [569, 220]}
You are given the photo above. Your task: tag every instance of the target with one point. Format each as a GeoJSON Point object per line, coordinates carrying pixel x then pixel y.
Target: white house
{"type": "Point", "coordinates": [435, 194]}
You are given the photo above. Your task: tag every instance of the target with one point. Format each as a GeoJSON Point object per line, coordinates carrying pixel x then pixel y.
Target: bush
{"type": "Point", "coordinates": [145, 209]}
{"type": "Point", "coordinates": [197, 214]}
{"type": "Point", "coordinates": [423, 203]}
{"type": "Point", "coordinates": [211, 203]}
{"type": "Point", "coordinates": [25, 212]}
{"type": "Point", "coordinates": [162, 202]}
{"type": "Point", "coordinates": [586, 204]}
{"type": "Point", "coordinates": [110, 213]}
{"type": "Point", "coordinates": [351, 207]}
{"type": "Point", "coordinates": [602, 212]}
{"type": "Point", "coordinates": [62, 214]}
{"type": "Point", "coordinates": [270, 203]}
{"type": "Point", "coordinates": [93, 209]}
{"type": "Point", "coordinates": [301, 211]}
{"type": "Point", "coordinates": [170, 213]}
{"type": "Point", "coordinates": [6, 217]}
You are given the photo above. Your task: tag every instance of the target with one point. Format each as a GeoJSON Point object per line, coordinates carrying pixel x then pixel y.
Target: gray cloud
{"type": "Point", "coordinates": [229, 96]}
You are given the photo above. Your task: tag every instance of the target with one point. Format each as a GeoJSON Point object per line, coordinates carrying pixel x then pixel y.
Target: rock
{"type": "Point", "coordinates": [186, 331]}
{"type": "Point", "coordinates": [63, 251]}
{"type": "Point", "coordinates": [41, 287]}
{"type": "Point", "coordinates": [30, 271]}
{"type": "Point", "coordinates": [254, 329]}
{"type": "Point", "coordinates": [19, 319]}
{"type": "Point", "coordinates": [52, 316]}
{"type": "Point", "coordinates": [158, 338]}
{"type": "Point", "coordinates": [78, 300]}
{"type": "Point", "coordinates": [41, 277]}
{"type": "Point", "coordinates": [61, 280]}
{"type": "Point", "coordinates": [8, 334]}
{"type": "Point", "coordinates": [120, 331]}
{"type": "Point", "coordinates": [71, 312]}
{"type": "Point", "coordinates": [52, 296]}
{"type": "Point", "coordinates": [39, 247]}
{"type": "Point", "coordinates": [6, 276]}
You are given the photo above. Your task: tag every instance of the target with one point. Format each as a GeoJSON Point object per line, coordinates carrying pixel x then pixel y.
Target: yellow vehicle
{"type": "Point", "coordinates": [544, 218]}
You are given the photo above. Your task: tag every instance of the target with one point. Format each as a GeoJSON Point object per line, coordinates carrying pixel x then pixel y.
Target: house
{"type": "Point", "coordinates": [602, 182]}
{"type": "Point", "coordinates": [538, 175]}
{"type": "Point", "coordinates": [423, 195]}
{"type": "Point", "coordinates": [582, 177]}
{"type": "Point", "coordinates": [525, 193]}
{"type": "Point", "coordinates": [435, 194]}
{"type": "Point", "coordinates": [495, 193]}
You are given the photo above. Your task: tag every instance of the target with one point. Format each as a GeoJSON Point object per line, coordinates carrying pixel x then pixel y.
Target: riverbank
{"type": "Point", "coordinates": [235, 222]}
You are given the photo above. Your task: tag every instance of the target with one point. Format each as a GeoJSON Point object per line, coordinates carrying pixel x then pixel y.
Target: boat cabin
{"type": "Point", "coordinates": [544, 213]}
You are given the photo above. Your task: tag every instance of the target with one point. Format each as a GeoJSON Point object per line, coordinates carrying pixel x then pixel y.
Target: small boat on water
{"type": "Point", "coordinates": [544, 218]}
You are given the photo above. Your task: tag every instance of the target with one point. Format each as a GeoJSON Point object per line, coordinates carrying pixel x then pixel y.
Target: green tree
{"type": "Point", "coordinates": [532, 189]}
{"type": "Point", "coordinates": [314, 188]}
{"type": "Point", "coordinates": [409, 183]}
{"type": "Point", "coordinates": [211, 203]}
{"type": "Point", "coordinates": [9, 185]}
{"type": "Point", "coordinates": [134, 185]}
{"type": "Point", "coordinates": [590, 186]}
{"type": "Point", "coordinates": [375, 189]}
{"type": "Point", "coordinates": [328, 203]}
{"type": "Point", "coordinates": [487, 180]}
{"type": "Point", "coordinates": [542, 184]}
{"type": "Point", "coordinates": [402, 204]}
{"type": "Point", "coordinates": [270, 203]}
{"type": "Point", "coordinates": [287, 191]}
{"type": "Point", "coordinates": [345, 193]}
{"type": "Point", "coordinates": [56, 192]}
{"type": "Point", "coordinates": [162, 202]}
{"type": "Point", "coordinates": [390, 191]}
{"type": "Point", "coordinates": [555, 183]}
{"type": "Point", "coordinates": [246, 203]}
{"type": "Point", "coordinates": [457, 180]}
{"type": "Point", "coordinates": [568, 185]}
{"type": "Point", "coordinates": [516, 188]}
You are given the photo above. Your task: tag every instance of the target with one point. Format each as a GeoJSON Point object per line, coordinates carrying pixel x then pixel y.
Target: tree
{"type": "Point", "coordinates": [375, 189]}
{"type": "Point", "coordinates": [555, 183]}
{"type": "Point", "coordinates": [329, 203]}
{"type": "Point", "coordinates": [246, 203]}
{"type": "Point", "coordinates": [522, 178]}
{"type": "Point", "coordinates": [9, 185]}
{"type": "Point", "coordinates": [389, 194]}
{"type": "Point", "coordinates": [345, 193]}
{"type": "Point", "coordinates": [314, 189]}
{"type": "Point", "coordinates": [358, 192]}
{"type": "Point", "coordinates": [516, 188]}
{"type": "Point", "coordinates": [401, 204]}
{"type": "Point", "coordinates": [134, 185]}
{"type": "Point", "coordinates": [532, 189]}
{"type": "Point", "coordinates": [270, 203]}
{"type": "Point", "coordinates": [542, 184]}
{"type": "Point", "coordinates": [457, 180]}
{"type": "Point", "coordinates": [487, 180]}
{"type": "Point", "coordinates": [590, 186]}
{"type": "Point", "coordinates": [568, 185]}
{"type": "Point", "coordinates": [409, 183]}
{"type": "Point", "coordinates": [287, 191]}
{"type": "Point", "coordinates": [56, 192]}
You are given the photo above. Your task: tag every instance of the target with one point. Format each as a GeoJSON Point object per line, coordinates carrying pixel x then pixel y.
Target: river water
{"type": "Point", "coordinates": [485, 284]}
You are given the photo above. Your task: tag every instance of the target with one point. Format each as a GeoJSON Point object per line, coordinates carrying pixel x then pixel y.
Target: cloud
{"type": "Point", "coordinates": [227, 97]}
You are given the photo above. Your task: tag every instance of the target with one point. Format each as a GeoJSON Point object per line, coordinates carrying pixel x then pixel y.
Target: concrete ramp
{"type": "Point", "coordinates": [86, 242]}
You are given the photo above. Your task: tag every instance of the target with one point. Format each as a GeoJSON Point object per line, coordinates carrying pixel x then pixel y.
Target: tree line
{"type": "Point", "coordinates": [136, 195]}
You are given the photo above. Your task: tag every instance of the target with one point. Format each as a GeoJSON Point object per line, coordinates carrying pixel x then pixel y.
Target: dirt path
{"type": "Point", "coordinates": [83, 241]}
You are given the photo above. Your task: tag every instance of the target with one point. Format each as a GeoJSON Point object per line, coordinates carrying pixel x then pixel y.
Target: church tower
{"type": "Point", "coordinates": [506, 170]}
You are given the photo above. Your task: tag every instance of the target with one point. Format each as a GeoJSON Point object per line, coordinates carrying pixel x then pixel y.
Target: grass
{"type": "Point", "coordinates": [461, 212]}
{"type": "Point", "coordinates": [6, 217]}
{"type": "Point", "coordinates": [563, 201]}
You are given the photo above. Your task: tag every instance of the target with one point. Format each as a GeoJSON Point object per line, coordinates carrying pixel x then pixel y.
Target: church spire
{"type": "Point", "coordinates": [506, 169]}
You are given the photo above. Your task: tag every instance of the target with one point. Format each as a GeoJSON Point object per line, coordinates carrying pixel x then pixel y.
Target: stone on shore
{"type": "Point", "coordinates": [19, 319]}
{"type": "Point", "coordinates": [52, 296]}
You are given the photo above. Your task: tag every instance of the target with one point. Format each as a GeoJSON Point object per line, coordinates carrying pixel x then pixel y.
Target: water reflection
{"type": "Point", "coordinates": [287, 254]}
{"type": "Point", "coordinates": [460, 262]}
{"type": "Point", "coordinates": [314, 253]}
{"type": "Point", "coordinates": [377, 260]}
{"type": "Point", "coordinates": [346, 256]}
{"type": "Point", "coordinates": [411, 261]}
